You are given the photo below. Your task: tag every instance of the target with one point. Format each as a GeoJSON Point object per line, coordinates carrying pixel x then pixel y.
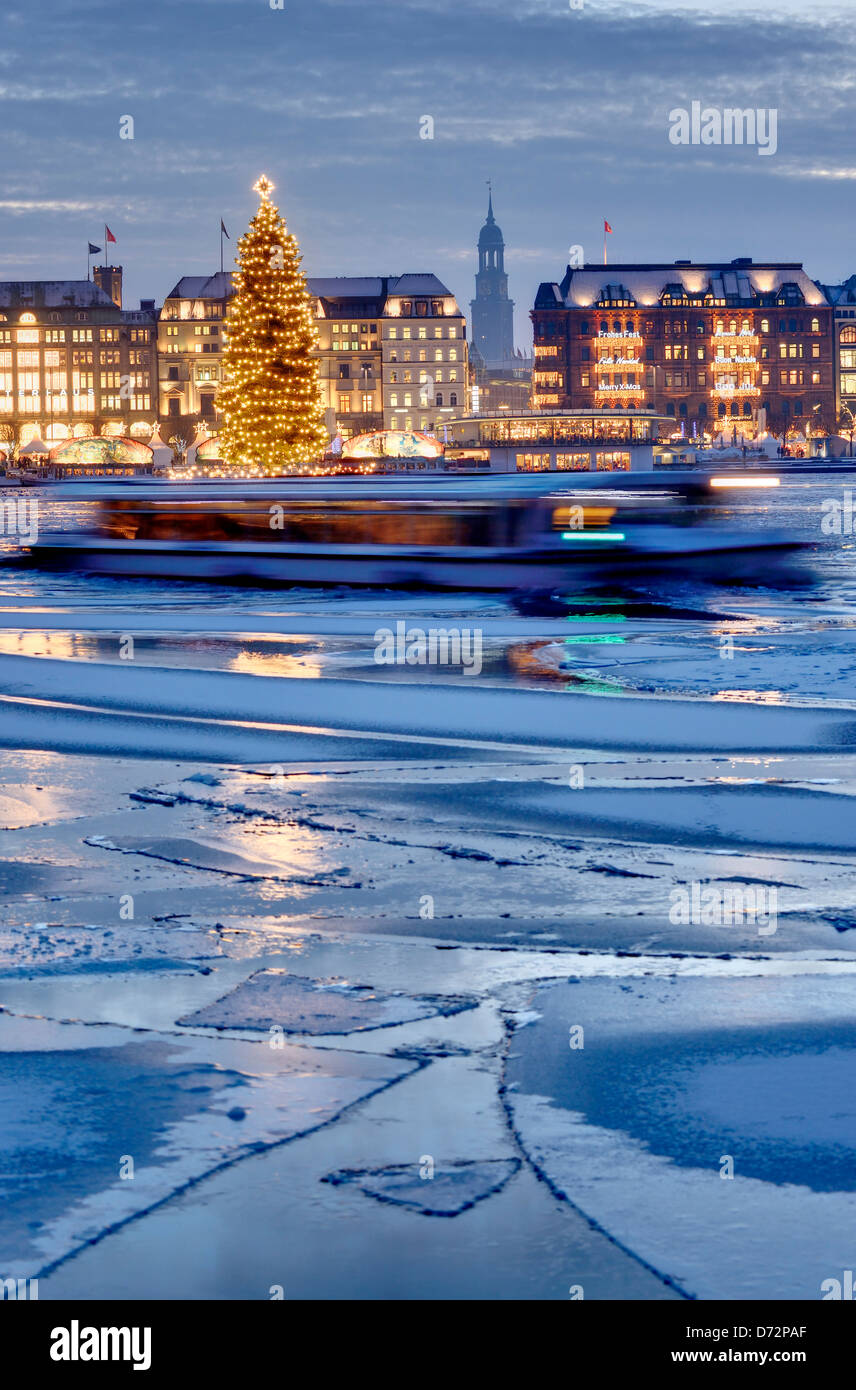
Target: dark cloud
{"type": "Point", "coordinates": [567, 111]}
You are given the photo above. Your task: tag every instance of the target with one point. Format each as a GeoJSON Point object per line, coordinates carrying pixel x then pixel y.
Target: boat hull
{"type": "Point", "coordinates": [263, 564]}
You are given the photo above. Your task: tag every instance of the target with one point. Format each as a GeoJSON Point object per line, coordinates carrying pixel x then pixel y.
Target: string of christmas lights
{"type": "Point", "coordinates": [270, 398]}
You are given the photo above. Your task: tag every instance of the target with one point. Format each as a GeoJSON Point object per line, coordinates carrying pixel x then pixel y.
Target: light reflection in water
{"type": "Point", "coordinates": [756, 697]}
{"type": "Point", "coordinates": [252, 659]}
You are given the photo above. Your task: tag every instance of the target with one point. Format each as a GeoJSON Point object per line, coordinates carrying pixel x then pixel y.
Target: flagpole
{"type": "Point", "coordinates": [604, 243]}
{"type": "Point", "coordinates": [107, 246]}
{"type": "Point", "coordinates": [221, 246]}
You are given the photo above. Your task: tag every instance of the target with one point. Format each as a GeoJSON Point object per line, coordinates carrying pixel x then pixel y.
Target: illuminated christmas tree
{"type": "Point", "coordinates": [270, 400]}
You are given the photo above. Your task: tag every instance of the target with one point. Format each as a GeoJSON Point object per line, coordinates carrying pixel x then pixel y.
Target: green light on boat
{"type": "Point", "coordinates": [592, 535]}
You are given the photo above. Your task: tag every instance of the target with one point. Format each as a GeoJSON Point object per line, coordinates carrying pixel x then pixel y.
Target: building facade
{"type": "Point", "coordinates": [507, 388]}
{"type": "Point", "coordinates": [348, 314]}
{"type": "Point", "coordinates": [731, 348]}
{"type": "Point", "coordinates": [562, 442]}
{"type": "Point", "coordinates": [843, 299]}
{"type": "Point", "coordinates": [424, 355]}
{"type": "Point", "coordinates": [492, 312]}
{"type": "Point", "coordinates": [73, 362]}
{"type": "Point", "coordinates": [392, 352]}
{"type": "Point", "coordinates": [190, 346]}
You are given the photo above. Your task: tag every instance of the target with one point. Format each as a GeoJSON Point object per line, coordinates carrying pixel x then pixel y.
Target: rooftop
{"type": "Point", "coordinates": [53, 294]}
{"type": "Point", "coordinates": [739, 281]}
{"type": "Point", "coordinates": [216, 286]}
{"type": "Point", "coordinates": [363, 287]}
{"type": "Point", "coordinates": [417, 284]}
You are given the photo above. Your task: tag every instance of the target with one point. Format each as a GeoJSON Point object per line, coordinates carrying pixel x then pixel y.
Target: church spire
{"type": "Point", "coordinates": [492, 310]}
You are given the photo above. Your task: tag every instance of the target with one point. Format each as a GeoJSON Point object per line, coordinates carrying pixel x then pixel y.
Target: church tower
{"type": "Point", "coordinates": [492, 310]}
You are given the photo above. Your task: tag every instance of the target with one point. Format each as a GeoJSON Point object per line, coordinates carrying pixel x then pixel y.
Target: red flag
{"type": "Point", "coordinates": [110, 236]}
{"type": "Point", "coordinates": [606, 226]}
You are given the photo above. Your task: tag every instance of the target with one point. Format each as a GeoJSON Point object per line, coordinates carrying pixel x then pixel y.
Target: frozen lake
{"type": "Point", "coordinates": [304, 936]}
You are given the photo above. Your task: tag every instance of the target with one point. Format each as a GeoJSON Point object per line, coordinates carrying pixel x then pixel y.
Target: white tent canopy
{"type": "Point", "coordinates": [35, 446]}
{"type": "Point", "coordinates": [162, 453]}
{"type": "Point", "coordinates": [157, 440]}
{"type": "Point", "coordinates": [201, 437]}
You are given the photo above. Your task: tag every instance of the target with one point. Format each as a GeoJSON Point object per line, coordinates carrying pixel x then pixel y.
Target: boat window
{"type": "Point", "coordinates": [377, 522]}
{"type": "Point", "coordinates": [576, 517]}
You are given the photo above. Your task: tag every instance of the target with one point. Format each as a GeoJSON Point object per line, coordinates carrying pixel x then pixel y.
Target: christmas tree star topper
{"type": "Point", "coordinates": [263, 187]}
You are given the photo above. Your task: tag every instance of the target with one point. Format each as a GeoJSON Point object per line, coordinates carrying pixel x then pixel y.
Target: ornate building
{"type": "Point", "coordinates": [392, 350]}
{"type": "Point", "coordinates": [721, 347]}
{"type": "Point", "coordinates": [348, 312]}
{"type": "Point", "coordinates": [492, 311]}
{"type": "Point", "coordinates": [190, 340]}
{"type": "Point", "coordinates": [424, 348]}
{"type": "Point", "coordinates": [73, 362]}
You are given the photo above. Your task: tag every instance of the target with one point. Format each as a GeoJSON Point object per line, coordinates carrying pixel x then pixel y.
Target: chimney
{"type": "Point", "coordinates": [109, 279]}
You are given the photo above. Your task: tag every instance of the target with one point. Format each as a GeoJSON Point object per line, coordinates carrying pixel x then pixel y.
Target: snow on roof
{"type": "Point", "coordinates": [54, 294]}
{"type": "Point", "coordinates": [215, 286]}
{"type": "Point", "coordinates": [417, 284]}
{"type": "Point", "coordinates": [219, 286]}
{"type": "Point", "coordinates": [840, 294]}
{"type": "Point", "coordinates": [645, 283]}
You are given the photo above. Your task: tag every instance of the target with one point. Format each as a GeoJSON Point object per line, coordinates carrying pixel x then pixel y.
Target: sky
{"type": "Point", "coordinates": [565, 109]}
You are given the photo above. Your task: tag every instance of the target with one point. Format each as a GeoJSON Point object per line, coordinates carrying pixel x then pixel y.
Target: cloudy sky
{"type": "Point", "coordinates": [565, 109]}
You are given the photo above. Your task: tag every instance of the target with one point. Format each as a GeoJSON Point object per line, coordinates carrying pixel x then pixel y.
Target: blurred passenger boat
{"type": "Point", "coordinates": [485, 533]}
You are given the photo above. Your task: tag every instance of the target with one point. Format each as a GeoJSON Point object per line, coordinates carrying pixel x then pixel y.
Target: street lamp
{"type": "Point", "coordinates": [808, 430]}
{"type": "Point", "coordinates": [846, 407]}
